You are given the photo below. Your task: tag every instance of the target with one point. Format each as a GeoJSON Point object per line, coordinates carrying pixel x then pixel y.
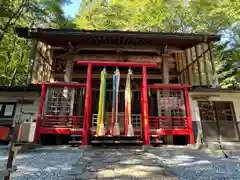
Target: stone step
{"type": "Point", "coordinates": [75, 142]}
{"type": "Point", "coordinates": [116, 142]}
{"type": "Point", "coordinates": [121, 137]}
{"type": "Point", "coordinates": [76, 135]}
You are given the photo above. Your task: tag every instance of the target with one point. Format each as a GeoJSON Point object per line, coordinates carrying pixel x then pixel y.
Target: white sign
{"type": "Point", "coordinates": [9, 110]}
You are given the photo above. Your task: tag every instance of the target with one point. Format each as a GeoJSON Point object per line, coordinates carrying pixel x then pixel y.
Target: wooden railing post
{"type": "Point", "coordinates": [87, 107]}
{"type": "Point", "coordinates": [145, 107]}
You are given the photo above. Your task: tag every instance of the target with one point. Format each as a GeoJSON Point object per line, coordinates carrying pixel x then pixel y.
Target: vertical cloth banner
{"type": "Point", "coordinates": [102, 99]}
{"type": "Point", "coordinates": [116, 82]}
{"type": "Point", "coordinates": [128, 97]}
{"type": "Point", "coordinates": [113, 102]}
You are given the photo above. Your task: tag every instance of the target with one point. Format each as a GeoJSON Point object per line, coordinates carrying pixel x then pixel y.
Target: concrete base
{"type": "Point", "coordinates": [116, 130]}
{"type": "Point", "coordinates": [130, 130]}
{"type": "Point", "coordinates": [101, 130]}
{"type": "Point", "coordinates": [169, 139]}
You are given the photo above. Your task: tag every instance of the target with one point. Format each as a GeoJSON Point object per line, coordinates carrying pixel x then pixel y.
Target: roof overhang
{"type": "Point", "coordinates": [62, 38]}
{"type": "Point", "coordinates": [214, 90]}
{"type": "Point", "coordinates": [23, 88]}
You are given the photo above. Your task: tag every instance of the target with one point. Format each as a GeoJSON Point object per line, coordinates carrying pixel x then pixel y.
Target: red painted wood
{"type": "Point", "coordinates": [145, 107]}
{"type": "Point", "coordinates": [168, 86]}
{"type": "Point", "coordinates": [171, 132]}
{"type": "Point", "coordinates": [188, 111]}
{"type": "Point", "coordinates": [87, 107]}
{"type": "Point", "coordinates": [119, 64]}
{"type": "Point", "coordinates": [59, 131]}
{"type": "Point", "coordinates": [122, 132]}
{"type": "Point", "coordinates": [38, 122]}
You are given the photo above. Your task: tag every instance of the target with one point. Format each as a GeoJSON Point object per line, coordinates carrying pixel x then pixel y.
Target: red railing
{"type": "Point", "coordinates": [173, 111]}
{"type": "Point", "coordinates": [56, 116]}
{"type": "Point", "coordinates": [75, 122]}
{"type": "Point", "coordinates": [168, 122]}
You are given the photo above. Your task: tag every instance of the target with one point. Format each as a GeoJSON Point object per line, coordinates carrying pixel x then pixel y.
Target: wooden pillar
{"type": "Point", "coordinates": [165, 70]}
{"type": "Point", "coordinates": [184, 72]}
{"type": "Point", "coordinates": [145, 107]}
{"type": "Point", "coordinates": [67, 79]}
{"type": "Point", "coordinates": [31, 62]}
{"type": "Point", "coordinates": [215, 79]}
{"type": "Point", "coordinates": [79, 103]}
{"type": "Point", "coordinates": [187, 56]}
{"type": "Point", "coordinates": [193, 69]}
{"type": "Point", "coordinates": [205, 65]}
{"type": "Point", "coordinates": [198, 65]}
{"type": "Point", "coordinates": [68, 70]}
{"type": "Point", "coordinates": [87, 107]}
{"type": "Point", "coordinates": [166, 92]}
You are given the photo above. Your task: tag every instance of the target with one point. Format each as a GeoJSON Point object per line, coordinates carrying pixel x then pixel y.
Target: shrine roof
{"type": "Point", "coordinates": [62, 37]}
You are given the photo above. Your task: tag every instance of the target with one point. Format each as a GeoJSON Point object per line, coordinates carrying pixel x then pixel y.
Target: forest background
{"type": "Point", "coordinates": [189, 16]}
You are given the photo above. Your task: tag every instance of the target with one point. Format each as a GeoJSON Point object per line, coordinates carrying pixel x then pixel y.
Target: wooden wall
{"type": "Point", "coordinates": [194, 66]}
{"type": "Point", "coordinates": [42, 67]}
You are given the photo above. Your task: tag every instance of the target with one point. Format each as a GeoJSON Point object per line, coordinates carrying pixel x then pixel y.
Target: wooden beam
{"type": "Point", "coordinates": [109, 76]}
{"type": "Point", "coordinates": [116, 47]}
{"type": "Point", "coordinates": [198, 65]}
{"type": "Point", "coordinates": [205, 65]}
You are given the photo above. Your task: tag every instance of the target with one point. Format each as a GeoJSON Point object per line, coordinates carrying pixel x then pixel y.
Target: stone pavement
{"type": "Point", "coordinates": [106, 163]}
{"type": "Point", "coordinates": [117, 164]}
{"type": "Point", "coordinates": [122, 163]}
{"type": "Point", "coordinates": [190, 164]}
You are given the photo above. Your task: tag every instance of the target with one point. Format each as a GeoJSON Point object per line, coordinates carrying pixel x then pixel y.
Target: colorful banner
{"type": "Point", "coordinates": [102, 100]}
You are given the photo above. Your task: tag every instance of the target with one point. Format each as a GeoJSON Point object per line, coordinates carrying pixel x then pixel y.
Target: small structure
{"type": "Point", "coordinates": [216, 114]}
{"type": "Point", "coordinates": [16, 101]}
{"type": "Point", "coordinates": [77, 99]}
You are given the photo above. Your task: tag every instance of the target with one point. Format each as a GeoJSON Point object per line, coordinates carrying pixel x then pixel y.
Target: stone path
{"type": "Point", "coordinates": [66, 163]}
{"type": "Point", "coordinates": [188, 164]}
{"type": "Point", "coordinates": [117, 164]}
{"type": "Point", "coordinates": [54, 163]}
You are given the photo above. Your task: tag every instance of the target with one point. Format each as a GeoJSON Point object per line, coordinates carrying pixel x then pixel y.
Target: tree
{"type": "Point", "coordinates": [228, 61]}
{"type": "Point", "coordinates": [14, 51]}
{"type": "Point", "coordinates": [172, 15]}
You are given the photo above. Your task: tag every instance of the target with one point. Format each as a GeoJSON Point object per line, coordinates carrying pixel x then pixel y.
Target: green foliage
{"type": "Point", "coordinates": [220, 17]}
{"type": "Point", "coordinates": [14, 51]}
{"type": "Point", "coordinates": [175, 16]}
{"type": "Point", "coordinates": [228, 61]}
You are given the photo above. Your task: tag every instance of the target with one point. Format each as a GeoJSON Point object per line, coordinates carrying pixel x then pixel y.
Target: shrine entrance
{"type": "Point", "coordinates": [114, 108]}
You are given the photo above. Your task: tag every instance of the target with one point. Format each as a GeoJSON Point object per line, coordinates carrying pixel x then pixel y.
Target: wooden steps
{"type": "Point", "coordinates": [116, 140]}
{"type": "Point", "coordinates": [76, 140]}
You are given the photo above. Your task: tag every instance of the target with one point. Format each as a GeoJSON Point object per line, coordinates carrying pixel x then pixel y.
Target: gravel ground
{"type": "Point", "coordinates": [62, 162]}
{"type": "Point", "coordinates": [188, 164]}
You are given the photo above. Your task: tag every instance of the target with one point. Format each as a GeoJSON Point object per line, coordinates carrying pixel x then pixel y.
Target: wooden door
{"type": "Point", "coordinates": [208, 120]}
{"type": "Point", "coordinates": [226, 120]}
{"type": "Point", "coordinates": [218, 120]}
